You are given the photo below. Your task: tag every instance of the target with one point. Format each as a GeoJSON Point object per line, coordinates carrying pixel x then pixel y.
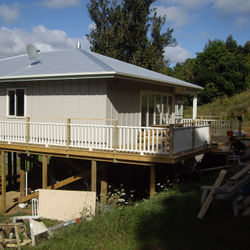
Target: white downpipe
{"type": "Point", "coordinates": [195, 107]}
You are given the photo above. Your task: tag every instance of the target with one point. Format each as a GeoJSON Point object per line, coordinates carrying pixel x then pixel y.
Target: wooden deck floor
{"type": "Point", "coordinates": [108, 156]}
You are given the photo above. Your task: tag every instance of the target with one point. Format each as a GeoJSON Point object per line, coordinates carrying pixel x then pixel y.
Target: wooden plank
{"type": "Point", "coordinates": [215, 168]}
{"type": "Point", "coordinates": [45, 172]}
{"type": "Point", "coordinates": [9, 170]}
{"type": "Point", "coordinates": [22, 176]}
{"type": "Point", "coordinates": [240, 173]}
{"type": "Point", "coordinates": [57, 185]}
{"type": "Point", "coordinates": [152, 181]}
{"type": "Point", "coordinates": [3, 182]}
{"type": "Point", "coordinates": [93, 176]}
{"type": "Point", "coordinates": [104, 186]}
{"type": "Point", "coordinates": [209, 199]}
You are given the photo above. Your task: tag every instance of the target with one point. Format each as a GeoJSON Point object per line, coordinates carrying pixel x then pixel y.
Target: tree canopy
{"type": "Point", "coordinates": [223, 69]}
{"type": "Point", "coordinates": [129, 31]}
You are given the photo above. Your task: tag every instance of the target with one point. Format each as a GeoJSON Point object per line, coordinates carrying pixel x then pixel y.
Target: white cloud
{"type": "Point", "coordinates": [14, 41]}
{"type": "Point", "coordinates": [177, 15]}
{"type": "Point", "coordinates": [58, 4]}
{"type": "Point", "coordinates": [233, 6]}
{"type": "Point", "coordinates": [9, 14]}
{"type": "Point", "coordinates": [176, 54]}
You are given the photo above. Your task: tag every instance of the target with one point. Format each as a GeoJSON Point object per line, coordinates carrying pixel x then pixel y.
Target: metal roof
{"type": "Point", "coordinates": [74, 64]}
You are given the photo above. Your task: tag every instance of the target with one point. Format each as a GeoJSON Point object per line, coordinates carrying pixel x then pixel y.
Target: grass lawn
{"type": "Point", "coordinates": [166, 222]}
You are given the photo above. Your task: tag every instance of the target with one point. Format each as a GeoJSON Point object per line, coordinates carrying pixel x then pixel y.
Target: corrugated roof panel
{"type": "Point", "coordinates": [73, 62]}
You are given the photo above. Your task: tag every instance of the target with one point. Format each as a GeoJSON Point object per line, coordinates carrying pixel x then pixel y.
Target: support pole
{"type": "Point", "coordinates": [15, 169]}
{"type": "Point", "coordinates": [45, 172]}
{"type": "Point", "coordinates": [9, 170]}
{"type": "Point", "coordinates": [104, 186]}
{"type": "Point", "coordinates": [22, 176]}
{"type": "Point", "coordinates": [93, 176]}
{"type": "Point", "coordinates": [3, 180]}
{"type": "Point", "coordinates": [152, 181]}
{"type": "Point", "coordinates": [195, 107]}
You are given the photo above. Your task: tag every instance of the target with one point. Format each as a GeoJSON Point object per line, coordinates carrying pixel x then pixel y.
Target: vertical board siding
{"type": "Point", "coordinates": [69, 98]}
{"type": "Point", "coordinates": [123, 103]}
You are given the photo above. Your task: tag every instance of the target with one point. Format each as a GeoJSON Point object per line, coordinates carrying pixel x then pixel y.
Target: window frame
{"type": "Point", "coordinates": [15, 107]}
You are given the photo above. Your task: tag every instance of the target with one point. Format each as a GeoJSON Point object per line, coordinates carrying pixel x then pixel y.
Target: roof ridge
{"type": "Point", "coordinates": [102, 64]}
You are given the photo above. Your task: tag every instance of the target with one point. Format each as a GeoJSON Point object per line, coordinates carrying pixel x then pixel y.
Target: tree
{"type": "Point", "coordinates": [129, 31]}
{"type": "Point", "coordinates": [222, 69]}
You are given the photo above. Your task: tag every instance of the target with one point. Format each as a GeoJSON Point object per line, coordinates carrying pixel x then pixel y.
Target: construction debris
{"type": "Point", "coordinates": [13, 229]}
{"type": "Point", "coordinates": [235, 189]}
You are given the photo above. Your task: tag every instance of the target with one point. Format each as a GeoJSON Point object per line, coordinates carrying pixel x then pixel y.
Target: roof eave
{"type": "Point", "coordinates": [91, 75]}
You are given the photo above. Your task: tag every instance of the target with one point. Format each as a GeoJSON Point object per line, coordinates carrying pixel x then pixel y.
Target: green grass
{"type": "Point", "coordinates": [166, 222]}
{"type": "Point", "coordinates": [226, 108]}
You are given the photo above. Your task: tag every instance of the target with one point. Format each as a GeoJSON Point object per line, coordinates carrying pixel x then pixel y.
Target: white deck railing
{"type": "Point", "coordinates": [218, 127]}
{"type": "Point", "coordinates": [131, 139]}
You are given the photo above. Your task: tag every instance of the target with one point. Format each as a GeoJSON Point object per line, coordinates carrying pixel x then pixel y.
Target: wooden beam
{"type": "Point", "coordinates": [209, 199]}
{"type": "Point", "coordinates": [15, 169]}
{"type": "Point", "coordinates": [3, 184]}
{"type": "Point", "coordinates": [9, 170]}
{"type": "Point", "coordinates": [45, 172]}
{"type": "Point", "coordinates": [152, 181]}
{"type": "Point", "coordinates": [56, 185]}
{"type": "Point", "coordinates": [22, 176]}
{"type": "Point", "coordinates": [93, 176]}
{"type": "Point", "coordinates": [104, 186]}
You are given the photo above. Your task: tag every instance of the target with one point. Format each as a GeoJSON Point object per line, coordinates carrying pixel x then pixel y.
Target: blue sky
{"type": "Point", "coordinates": [59, 24]}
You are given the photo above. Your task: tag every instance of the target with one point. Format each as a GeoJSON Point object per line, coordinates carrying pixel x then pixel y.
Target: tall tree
{"type": "Point", "coordinates": [130, 31]}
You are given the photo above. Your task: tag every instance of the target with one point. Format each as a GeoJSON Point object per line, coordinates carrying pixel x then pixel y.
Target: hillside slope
{"type": "Point", "coordinates": [226, 108]}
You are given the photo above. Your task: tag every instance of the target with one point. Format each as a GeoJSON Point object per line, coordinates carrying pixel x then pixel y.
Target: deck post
{"type": "Point", "coordinates": [15, 169]}
{"type": "Point", "coordinates": [45, 171]}
{"type": "Point", "coordinates": [115, 135]}
{"type": "Point", "coordinates": [27, 120]}
{"type": "Point", "coordinates": [171, 138]}
{"type": "Point", "coordinates": [3, 180]}
{"type": "Point", "coordinates": [68, 133]}
{"type": "Point", "coordinates": [193, 134]}
{"type": "Point", "coordinates": [210, 132]}
{"type": "Point", "coordinates": [104, 186]}
{"type": "Point", "coordinates": [195, 107]}
{"type": "Point", "coordinates": [93, 176]}
{"type": "Point", "coordinates": [10, 170]}
{"type": "Point", "coordinates": [152, 181]}
{"type": "Point", "coordinates": [22, 176]}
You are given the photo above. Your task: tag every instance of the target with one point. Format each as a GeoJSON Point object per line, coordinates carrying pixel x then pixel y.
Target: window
{"type": "Point", "coordinates": [156, 109]}
{"type": "Point", "coordinates": [16, 103]}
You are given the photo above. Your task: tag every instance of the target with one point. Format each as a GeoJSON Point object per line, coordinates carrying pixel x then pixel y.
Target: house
{"type": "Point", "coordinates": [77, 103]}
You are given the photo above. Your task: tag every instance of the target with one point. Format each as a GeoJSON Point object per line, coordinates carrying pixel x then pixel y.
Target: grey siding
{"type": "Point", "coordinates": [61, 99]}
{"type": "Point", "coordinates": [123, 102]}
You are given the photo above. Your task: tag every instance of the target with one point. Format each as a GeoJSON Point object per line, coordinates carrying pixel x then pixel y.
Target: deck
{"type": "Point", "coordinates": [164, 144]}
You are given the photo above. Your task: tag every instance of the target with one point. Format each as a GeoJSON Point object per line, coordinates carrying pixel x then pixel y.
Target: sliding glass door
{"type": "Point", "coordinates": [156, 109]}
